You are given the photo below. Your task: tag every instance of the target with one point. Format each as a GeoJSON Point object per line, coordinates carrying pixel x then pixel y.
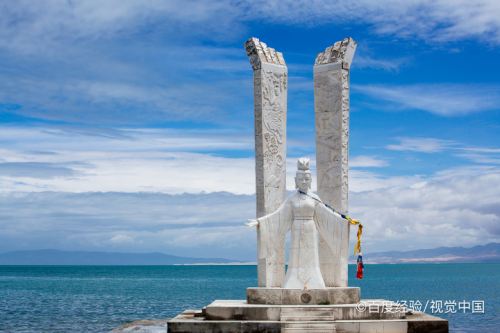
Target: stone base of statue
{"type": "Point", "coordinates": [276, 310]}
{"type": "Point", "coordinates": [281, 296]}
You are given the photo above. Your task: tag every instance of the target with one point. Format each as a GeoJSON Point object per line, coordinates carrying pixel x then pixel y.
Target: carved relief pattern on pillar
{"type": "Point", "coordinates": [270, 92]}
{"type": "Point", "coordinates": [345, 139]}
{"type": "Point", "coordinates": [331, 94]}
{"type": "Point", "coordinates": [274, 87]}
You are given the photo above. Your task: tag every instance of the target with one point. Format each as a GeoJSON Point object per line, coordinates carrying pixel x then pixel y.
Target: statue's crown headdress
{"type": "Point", "coordinates": [303, 164]}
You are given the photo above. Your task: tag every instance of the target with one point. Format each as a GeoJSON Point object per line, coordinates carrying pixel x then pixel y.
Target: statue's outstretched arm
{"type": "Point", "coordinates": [281, 216]}
{"type": "Point", "coordinates": [252, 223]}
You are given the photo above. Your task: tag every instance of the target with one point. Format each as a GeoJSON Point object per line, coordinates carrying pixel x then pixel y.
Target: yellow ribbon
{"type": "Point", "coordinates": [357, 247]}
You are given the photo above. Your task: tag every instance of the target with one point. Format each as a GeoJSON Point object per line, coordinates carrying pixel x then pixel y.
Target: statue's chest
{"type": "Point", "coordinates": [303, 206]}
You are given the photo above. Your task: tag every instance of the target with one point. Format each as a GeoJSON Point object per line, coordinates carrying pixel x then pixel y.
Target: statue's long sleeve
{"type": "Point", "coordinates": [273, 228]}
{"type": "Point", "coordinates": [329, 226]}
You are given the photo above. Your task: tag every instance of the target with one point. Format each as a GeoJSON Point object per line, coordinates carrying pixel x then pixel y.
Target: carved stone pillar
{"type": "Point", "coordinates": [270, 105]}
{"type": "Point", "coordinates": [331, 106]}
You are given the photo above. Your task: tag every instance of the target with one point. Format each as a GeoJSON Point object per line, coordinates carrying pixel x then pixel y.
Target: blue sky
{"type": "Point", "coordinates": [128, 125]}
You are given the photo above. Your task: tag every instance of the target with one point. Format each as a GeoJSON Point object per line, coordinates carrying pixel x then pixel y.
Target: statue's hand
{"type": "Point", "coordinates": [252, 223]}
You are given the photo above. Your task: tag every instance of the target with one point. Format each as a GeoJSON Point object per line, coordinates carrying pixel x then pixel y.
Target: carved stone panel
{"type": "Point", "coordinates": [331, 104]}
{"type": "Point", "coordinates": [270, 138]}
{"type": "Point", "coordinates": [270, 106]}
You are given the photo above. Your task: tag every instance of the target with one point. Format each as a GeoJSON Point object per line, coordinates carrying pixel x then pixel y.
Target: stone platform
{"type": "Point", "coordinates": [367, 316]}
{"type": "Point", "coordinates": [241, 310]}
{"type": "Point", "coordinates": [338, 295]}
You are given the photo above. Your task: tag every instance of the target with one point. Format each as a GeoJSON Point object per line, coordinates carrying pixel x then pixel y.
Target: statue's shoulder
{"type": "Point", "coordinates": [313, 195]}
{"type": "Point", "coordinates": [310, 194]}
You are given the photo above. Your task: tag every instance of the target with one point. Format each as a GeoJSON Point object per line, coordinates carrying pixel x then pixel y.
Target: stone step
{"type": "Point", "coordinates": [416, 323]}
{"type": "Point", "coordinates": [241, 310]}
{"type": "Point", "coordinates": [306, 318]}
{"type": "Point", "coordinates": [307, 314]}
{"type": "Point", "coordinates": [308, 327]}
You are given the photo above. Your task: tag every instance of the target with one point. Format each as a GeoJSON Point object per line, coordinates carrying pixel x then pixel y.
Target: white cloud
{"type": "Point", "coordinates": [479, 155]}
{"type": "Point", "coordinates": [173, 161]}
{"type": "Point", "coordinates": [121, 239]}
{"type": "Point", "coordinates": [34, 170]}
{"type": "Point", "coordinates": [421, 145]}
{"type": "Point", "coordinates": [366, 162]}
{"type": "Point", "coordinates": [124, 101]}
{"type": "Point", "coordinates": [440, 99]}
{"type": "Point", "coordinates": [455, 207]}
{"type": "Point", "coordinates": [184, 224]}
{"type": "Point", "coordinates": [28, 25]}
{"type": "Point", "coordinates": [72, 159]}
{"type": "Point", "coordinates": [365, 181]}
{"type": "Point", "coordinates": [431, 20]}
{"type": "Point", "coordinates": [128, 160]}
{"type": "Point", "coordinates": [481, 150]}
{"type": "Point", "coordinates": [89, 63]}
{"type": "Point", "coordinates": [481, 158]}
{"type": "Point", "coordinates": [366, 61]}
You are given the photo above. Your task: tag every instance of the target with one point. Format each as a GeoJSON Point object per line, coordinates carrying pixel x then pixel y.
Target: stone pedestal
{"type": "Point", "coordinates": [241, 310]}
{"type": "Point", "coordinates": [274, 310]}
{"type": "Point", "coordinates": [237, 316]}
{"type": "Point", "coordinates": [275, 296]}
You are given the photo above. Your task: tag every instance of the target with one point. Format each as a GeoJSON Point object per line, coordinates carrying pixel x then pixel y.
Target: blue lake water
{"type": "Point", "coordinates": [99, 298]}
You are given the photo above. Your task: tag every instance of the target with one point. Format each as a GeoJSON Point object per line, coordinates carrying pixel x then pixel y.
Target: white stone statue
{"type": "Point", "coordinates": [308, 218]}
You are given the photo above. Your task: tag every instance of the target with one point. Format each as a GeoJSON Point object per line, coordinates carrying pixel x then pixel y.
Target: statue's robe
{"type": "Point", "coordinates": [274, 227]}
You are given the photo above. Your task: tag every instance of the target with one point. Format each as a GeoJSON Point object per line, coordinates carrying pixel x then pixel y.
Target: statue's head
{"type": "Point", "coordinates": [303, 177]}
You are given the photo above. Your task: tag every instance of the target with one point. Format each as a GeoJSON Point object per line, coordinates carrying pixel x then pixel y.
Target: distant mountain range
{"type": "Point", "coordinates": [57, 257]}
{"type": "Point", "coordinates": [482, 253]}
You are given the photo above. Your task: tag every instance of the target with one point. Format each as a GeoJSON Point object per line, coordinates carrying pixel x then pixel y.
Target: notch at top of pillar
{"type": "Point", "coordinates": [340, 52]}
{"type": "Point", "coordinates": [259, 53]}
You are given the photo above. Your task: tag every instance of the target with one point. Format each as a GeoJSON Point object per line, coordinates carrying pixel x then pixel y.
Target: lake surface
{"type": "Point", "coordinates": [99, 298]}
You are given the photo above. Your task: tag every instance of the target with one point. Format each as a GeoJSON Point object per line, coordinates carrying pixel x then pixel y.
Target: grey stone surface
{"type": "Point", "coordinates": [260, 327]}
{"type": "Point", "coordinates": [347, 327]}
{"type": "Point", "coordinates": [309, 327]}
{"type": "Point", "coordinates": [383, 327]}
{"type": "Point", "coordinates": [226, 326]}
{"type": "Point", "coordinates": [417, 323]}
{"type": "Point", "coordinates": [270, 107]}
{"type": "Point", "coordinates": [312, 313]}
{"type": "Point", "coordinates": [343, 295]}
{"type": "Point", "coordinates": [337, 295]}
{"type": "Point", "coordinates": [331, 106]}
{"type": "Point", "coordinates": [265, 295]}
{"type": "Point", "coordinates": [422, 322]}
{"type": "Point", "coordinates": [240, 310]}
